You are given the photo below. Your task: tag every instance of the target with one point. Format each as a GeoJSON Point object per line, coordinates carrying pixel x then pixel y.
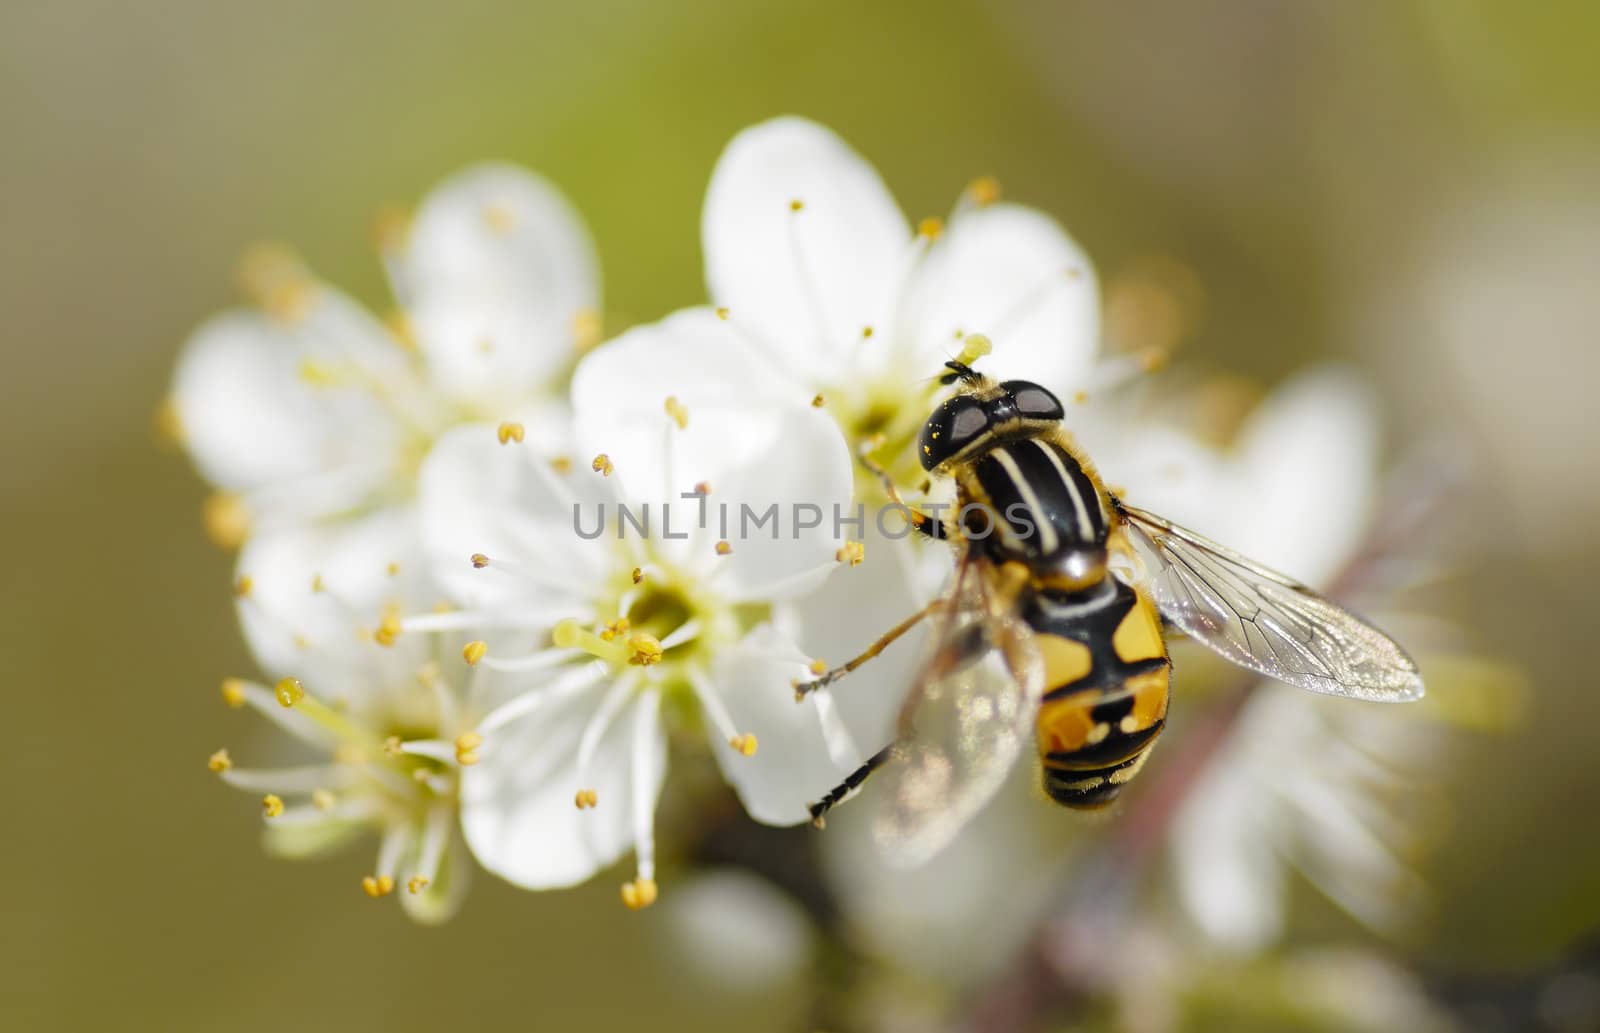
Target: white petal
{"type": "Point", "coordinates": [507, 502]}
{"type": "Point", "coordinates": [739, 931]}
{"type": "Point", "coordinates": [748, 434]}
{"type": "Point", "coordinates": [255, 422]}
{"type": "Point", "coordinates": [1012, 274]}
{"type": "Point", "coordinates": [620, 391]}
{"type": "Point", "coordinates": [782, 507]}
{"type": "Point", "coordinates": [1228, 873]}
{"type": "Point", "coordinates": [791, 766]}
{"type": "Point", "coordinates": [497, 269]}
{"type": "Point", "coordinates": [851, 609]}
{"type": "Point", "coordinates": [316, 594]}
{"type": "Point", "coordinates": [518, 808]}
{"type": "Point", "coordinates": [1296, 492]}
{"type": "Point", "coordinates": [805, 281]}
{"type": "Point", "coordinates": [1310, 460]}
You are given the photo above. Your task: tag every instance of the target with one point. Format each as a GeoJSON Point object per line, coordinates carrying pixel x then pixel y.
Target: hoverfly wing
{"type": "Point", "coordinates": [967, 717]}
{"type": "Point", "coordinates": [1263, 621]}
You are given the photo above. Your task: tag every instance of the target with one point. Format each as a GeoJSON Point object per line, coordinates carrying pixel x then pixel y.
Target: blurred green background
{"type": "Point", "coordinates": [1408, 186]}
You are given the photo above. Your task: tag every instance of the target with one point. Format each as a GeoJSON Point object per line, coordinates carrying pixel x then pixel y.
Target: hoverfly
{"type": "Point", "coordinates": [1052, 629]}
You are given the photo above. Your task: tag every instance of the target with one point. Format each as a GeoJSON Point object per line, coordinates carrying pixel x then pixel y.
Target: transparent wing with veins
{"type": "Point", "coordinates": [968, 716]}
{"type": "Point", "coordinates": [1263, 621]}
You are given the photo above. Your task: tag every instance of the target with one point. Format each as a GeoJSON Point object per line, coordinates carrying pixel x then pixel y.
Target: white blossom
{"type": "Point", "coordinates": [305, 408]}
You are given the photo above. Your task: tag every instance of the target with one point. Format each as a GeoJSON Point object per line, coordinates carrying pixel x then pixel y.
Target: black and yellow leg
{"type": "Point", "coordinates": [883, 642]}
{"type": "Point", "coordinates": [851, 783]}
{"type": "Point", "coordinates": [921, 522]}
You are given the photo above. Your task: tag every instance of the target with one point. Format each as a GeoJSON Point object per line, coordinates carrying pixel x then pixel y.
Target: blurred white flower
{"type": "Point", "coordinates": [1302, 782]}
{"type": "Point", "coordinates": [673, 600]}
{"type": "Point", "coordinates": [735, 930]}
{"type": "Point", "coordinates": [306, 408]}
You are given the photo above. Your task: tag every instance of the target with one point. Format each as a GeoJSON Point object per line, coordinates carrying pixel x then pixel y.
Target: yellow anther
{"type": "Point", "coordinates": [323, 800]}
{"type": "Point", "coordinates": [866, 333]}
{"type": "Point", "coordinates": [391, 230]}
{"type": "Point", "coordinates": [393, 747]}
{"type": "Point", "coordinates": [796, 205]}
{"type": "Point", "coordinates": [1080, 397]}
{"type": "Point", "coordinates": [388, 629]}
{"type": "Point", "coordinates": [817, 401]}
{"type": "Point", "coordinates": [984, 191]}
{"type": "Point", "coordinates": [289, 692]}
{"type": "Point", "coordinates": [819, 667]}
{"type": "Point", "coordinates": [219, 762]}
{"type": "Point", "coordinates": [243, 586]}
{"type": "Point", "coordinates": [479, 560]}
{"type": "Point", "coordinates": [638, 575]}
{"type": "Point", "coordinates": [318, 374]}
{"type": "Point", "coordinates": [474, 651]}
{"type": "Point", "coordinates": [499, 218]}
{"type": "Point", "coordinates": [509, 432]}
{"type": "Point", "coordinates": [272, 805]}
{"type": "Point", "coordinates": [587, 329]}
{"type": "Point", "coordinates": [168, 424]}
{"type": "Point", "coordinates": [317, 584]}
{"type": "Point", "coordinates": [602, 465]}
{"type": "Point", "coordinates": [233, 692]}
{"type": "Point", "coordinates": [1152, 360]}
{"type": "Point", "coordinates": [586, 799]}
{"type": "Point", "coordinates": [678, 412]}
{"type": "Point", "coordinates": [744, 745]}
{"type": "Point", "coordinates": [930, 227]}
{"type": "Point", "coordinates": [226, 520]}
{"type": "Point", "coordinates": [975, 347]}
{"type": "Point", "coordinates": [724, 547]}
{"type": "Point", "coordinates": [467, 744]}
{"type": "Point", "coordinates": [561, 464]}
{"type": "Point", "coordinates": [613, 628]}
{"type": "Point", "coordinates": [851, 552]}
{"type": "Point", "coordinates": [640, 893]}
{"type": "Point", "coordinates": [376, 886]}
{"type": "Point", "coordinates": [722, 312]}
{"type": "Point", "coordinates": [644, 649]}
{"type": "Point", "coordinates": [276, 280]}
{"type": "Point", "coordinates": [416, 884]}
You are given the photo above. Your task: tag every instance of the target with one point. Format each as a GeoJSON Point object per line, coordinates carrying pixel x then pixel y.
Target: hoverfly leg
{"type": "Point", "coordinates": [801, 689]}
{"type": "Point", "coordinates": [852, 782]}
{"type": "Point", "coordinates": [921, 522]}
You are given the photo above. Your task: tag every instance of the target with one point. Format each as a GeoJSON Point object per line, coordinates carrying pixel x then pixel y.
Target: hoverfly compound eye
{"type": "Point", "coordinates": [1034, 402]}
{"type": "Point", "coordinates": [951, 428]}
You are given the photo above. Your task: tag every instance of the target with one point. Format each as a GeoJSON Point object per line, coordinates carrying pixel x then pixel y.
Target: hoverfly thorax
{"type": "Point", "coordinates": [1026, 497]}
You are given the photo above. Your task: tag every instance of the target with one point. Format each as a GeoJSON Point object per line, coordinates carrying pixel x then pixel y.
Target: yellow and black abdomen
{"type": "Point", "coordinates": [1106, 683]}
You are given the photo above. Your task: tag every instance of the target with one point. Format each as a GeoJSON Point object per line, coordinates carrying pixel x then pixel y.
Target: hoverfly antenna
{"type": "Point", "coordinates": [973, 348]}
{"type": "Point", "coordinates": [958, 371]}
